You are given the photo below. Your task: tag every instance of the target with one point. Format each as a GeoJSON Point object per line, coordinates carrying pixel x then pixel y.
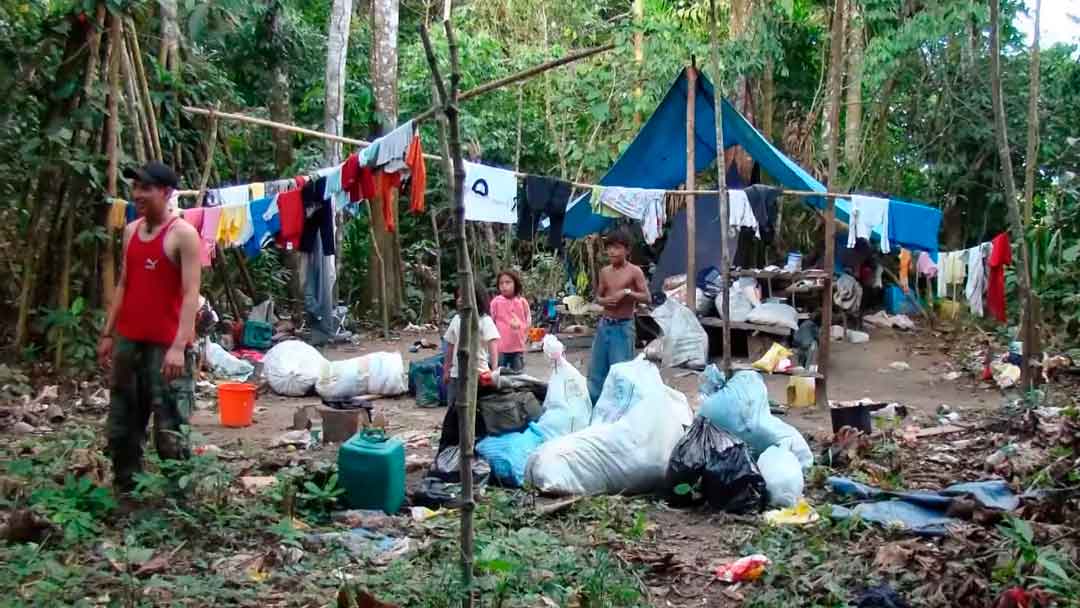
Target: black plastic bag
{"type": "Point", "coordinates": [447, 467]}
{"type": "Point", "coordinates": [709, 463]}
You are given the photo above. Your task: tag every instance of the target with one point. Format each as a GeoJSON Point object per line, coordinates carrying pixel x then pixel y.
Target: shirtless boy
{"type": "Point", "coordinates": [622, 287]}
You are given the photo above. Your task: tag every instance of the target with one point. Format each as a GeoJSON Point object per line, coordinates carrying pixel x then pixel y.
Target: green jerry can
{"type": "Point", "coordinates": [371, 469]}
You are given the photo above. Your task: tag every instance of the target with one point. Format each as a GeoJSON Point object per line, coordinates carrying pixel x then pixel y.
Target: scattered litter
{"type": "Point", "coordinates": [953, 376]}
{"type": "Point", "coordinates": [783, 476]}
{"type": "Point", "coordinates": [900, 366]}
{"type": "Point", "coordinates": [771, 360]}
{"type": "Point", "coordinates": [49, 393]}
{"type": "Point", "coordinates": [365, 544]}
{"type": "Point", "coordinates": [225, 365]}
{"type": "Point", "coordinates": [744, 569]}
{"type": "Point", "coordinates": [837, 332]}
{"type": "Point", "coordinates": [301, 439]}
{"type": "Point", "coordinates": [847, 445]}
{"type": "Point", "coordinates": [802, 513]}
{"type": "Point", "coordinates": [858, 337]}
{"type": "Point", "coordinates": [884, 319]}
{"type": "Point", "coordinates": [420, 514]}
{"type": "Point", "coordinates": [1006, 375]}
{"type": "Point", "coordinates": [891, 411]}
{"type": "Point", "coordinates": [290, 555]}
{"type": "Point", "coordinates": [204, 450]}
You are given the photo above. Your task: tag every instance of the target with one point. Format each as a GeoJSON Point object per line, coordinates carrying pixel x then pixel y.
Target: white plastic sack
{"type": "Point", "coordinates": [685, 340]}
{"type": "Point", "coordinates": [739, 305]}
{"type": "Point", "coordinates": [224, 364]}
{"type": "Point", "coordinates": [627, 455]}
{"type": "Point", "coordinates": [702, 303]}
{"type": "Point", "coordinates": [775, 313]}
{"type": "Point", "coordinates": [740, 406]}
{"type": "Point", "coordinates": [783, 476]}
{"type": "Point", "coordinates": [293, 368]}
{"type": "Point", "coordinates": [376, 373]}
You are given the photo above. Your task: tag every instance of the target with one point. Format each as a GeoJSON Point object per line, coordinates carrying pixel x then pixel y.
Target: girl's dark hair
{"type": "Point", "coordinates": [513, 277]}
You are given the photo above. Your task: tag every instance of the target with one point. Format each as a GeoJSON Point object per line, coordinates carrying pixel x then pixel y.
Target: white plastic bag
{"type": "Point", "coordinates": [293, 368]}
{"type": "Point", "coordinates": [740, 406]}
{"type": "Point", "coordinates": [740, 306]}
{"type": "Point", "coordinates": [775, 313]}
{"type": "Point", "coordinates": [685, 340]}
{"type": "Point", "coordinates": [225, 365]}
{"type": "Point", "coordinates": [629, 455]}
{"type": "Point", "coordinates": [783, 476]}
{"type": "Point", "coordinates": [376, 373]}
{"type": "Point", "coordinates": [702, 303]}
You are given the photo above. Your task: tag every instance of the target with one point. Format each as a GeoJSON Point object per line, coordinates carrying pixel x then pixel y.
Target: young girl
{"type": "Point", "coordinates": [512, 316]}
{"type": "Point", "coordinates": [488, 352]}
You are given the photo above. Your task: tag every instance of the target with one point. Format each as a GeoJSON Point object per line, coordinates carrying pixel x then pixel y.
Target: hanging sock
{"type": "Point", "coordinates": [414, 160]}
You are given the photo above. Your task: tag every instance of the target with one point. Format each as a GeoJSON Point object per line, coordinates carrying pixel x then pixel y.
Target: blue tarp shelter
{"type": "Point", "coordinates": [657, 159]}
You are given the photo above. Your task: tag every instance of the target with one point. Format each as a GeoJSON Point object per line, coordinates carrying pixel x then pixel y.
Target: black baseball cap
{"type": "Point", "coordinates": [153, 173]}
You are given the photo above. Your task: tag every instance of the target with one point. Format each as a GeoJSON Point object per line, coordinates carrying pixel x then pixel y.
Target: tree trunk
{"type": "Point", "coordinates": [832, 102]}
{"type": "Point", "coordinates": [384, 70]}
{"type": "Point", "coordinates": [738, 25]}
{"type": "Point", "coordinates": [1031, 159]}
{"type": "Point", "coordinates": [768, 98]}
{"type": "Point", "coordinates": [1023, 270]}
{"type": "Point", "coordinates": [169, 53]}
{"type": "Point", "coordinates": [337, 51]}
{"type": "Point", "coordinates": [638, 9]}
{"type": "Point", "coordinates": [853, 120]}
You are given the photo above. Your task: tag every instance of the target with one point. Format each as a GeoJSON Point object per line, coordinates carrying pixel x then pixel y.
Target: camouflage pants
{"type": "Point", "coordinates": [139, 390]}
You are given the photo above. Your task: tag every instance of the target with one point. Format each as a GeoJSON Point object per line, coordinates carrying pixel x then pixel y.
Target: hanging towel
{"type": "Point", "coordinates": [233, 195]}
{"type": "Point", "coordinates": [764, 202]}
{"type": "Point", "coordinates": [117, 213]}
{"type": "Point", "coordinates": [257, 190]}
{"type": "Point", "coordinates": [211, 219]}
{"type": "Point", "coordinates": [905, 264]}
{"type": "Point", "coordinates": [385, 184]}
{"type": "Point", "coordinates": [868, 213]}
{"type": "Point", "coordinates": [414, 160]}
{"type": "Point", "coordinates": [548, 196]}
{"type": "Point", "coordinates": [234, 228]}
{"type": "Point", "coordinates": [290, 206]}
{"type": "Point", "coordinates": [1000, 256]}
{"type": "Point", "coordinates": [740, 213]}
{"type": "Point", "coordinates": [490, 194]}
{"type": "Point", "coordinates": [392, 148]}
{"type": "Point", "coordinates": [926, 265]}
{"type": "Point", "coordinates": [644, 205]}
{"type": "Point", "coordinates": [369, 154]}
{"type": "Point", "coordinates": [976, 280]}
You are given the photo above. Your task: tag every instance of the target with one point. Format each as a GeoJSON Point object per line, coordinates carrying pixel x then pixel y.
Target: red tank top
{"type": "Point", "coordinates": [153, 291]}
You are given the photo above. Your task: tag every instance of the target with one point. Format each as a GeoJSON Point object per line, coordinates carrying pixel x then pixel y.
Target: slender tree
{"type": "Point", "coordinates": [1031, 159]}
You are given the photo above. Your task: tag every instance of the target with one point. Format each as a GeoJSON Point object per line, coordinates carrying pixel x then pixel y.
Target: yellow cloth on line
{"type": "Point", "coordinates": [258, 190]}
{"type": "Point", "coordinates": [235, 228]}
{"type": "Point", "coordinates": [117, 213]}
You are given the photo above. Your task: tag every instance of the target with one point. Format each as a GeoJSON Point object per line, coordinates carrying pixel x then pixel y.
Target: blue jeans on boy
{"type": "Point", "coordinates": [613, 343]}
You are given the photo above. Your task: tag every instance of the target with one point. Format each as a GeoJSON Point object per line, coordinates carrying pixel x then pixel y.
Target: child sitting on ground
{"type": "Point", "coordinates": [512, 316]}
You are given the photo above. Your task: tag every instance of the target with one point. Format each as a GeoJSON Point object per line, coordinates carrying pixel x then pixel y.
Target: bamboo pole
{"type": "Point", "coordinates": [139, 129]}
{"type": "Point", "coordinates": [691, 171]}
{"type": "Point", "coordinates": [108, 274]}
{"type": "Point", "coordinates": [825, 332]}
{"type": "Point", "coordinates": [721, 185]}
{"type": "Point", "coordinates": [148, 104]}
{"type": "Point", "coordinates": [211, 148]}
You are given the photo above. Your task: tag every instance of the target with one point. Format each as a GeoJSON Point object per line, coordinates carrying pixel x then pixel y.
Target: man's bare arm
{"type": "Point", "coordinates": [640, 291]}
{"type": "Point", "coordinates": [191, 275]}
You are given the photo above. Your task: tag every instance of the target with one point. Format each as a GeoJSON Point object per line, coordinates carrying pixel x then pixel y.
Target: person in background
{"type": "Point", "coordinates": [153, 318]}
{"type": "Point", "coordinates": [488, 352]}
{"type": "Point", "coordinates": [510, 311]}
{"type": "Point", "coordinates": [622, 287]}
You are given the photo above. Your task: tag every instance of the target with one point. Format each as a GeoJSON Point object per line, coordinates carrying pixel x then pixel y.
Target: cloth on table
{"type": "Point", "coordinates": [740, 213]}
{"type": "Point", "coordinates": [233, 195]}
{"type": "Point", "coordinates": [414, 160]}
{"type": "Point", "coordinates": [234, 226]}
{"type": "Point", "coordinates": [868, 213]}
{"type": "Point", "coordinates": [490, 194]}
{"type": "Point", "coordinates": [905, 264]}
{"type": "Point", "coordinates": [390, 156]}
{"type": "Point", "coordinates": [117, 213]}
{"type": "Point", "coordinates": [642, 204]}
{"type": "Point", "coordinates": [385, 184]}
{"type": "Point", "coordinates": [1000, 256]}
{"type": "Point", "coordinates": [926, 266]}
{"type": "Point", "coordinates": [265, 222]}
{"type": "Point", "coordinates": [976, 279]}
{"type": "Point", "coordinates": [548, 196]}
{"type": "Point", "coordinates": [290, 206]}
{"type": "Point", "coordinates": [764, 203]}
{"type": "Point", "coordinates": [320, 218]}
{"type": "Point", "coordinates": [208, 234]}
{"type": "Point", "coordinates": [258, 190]}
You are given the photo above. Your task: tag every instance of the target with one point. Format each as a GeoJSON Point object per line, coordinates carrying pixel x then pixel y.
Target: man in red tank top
{"type": "Point", "coordinates": [150, 329]}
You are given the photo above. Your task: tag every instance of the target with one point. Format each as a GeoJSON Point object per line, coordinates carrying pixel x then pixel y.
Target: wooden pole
{"type": "Point", "coordinates": [1027, 377]}
{"type": "Point", "coordinates": [825, 332]}
{"type": "Point", "coordinates": [384, 306]}
{"type": "Point", "coordinates": [1032, 157]}
{"type": "Point", "coordinates": [211, 148]}
{"type": "Point", "coordinates": [691, 175]}
{"type": "Point", "coordinates": [148, 104]}
{"type": "Point", "coordinates": [108, 270]}
{"type": "Point", "coordinates": [721, 186]}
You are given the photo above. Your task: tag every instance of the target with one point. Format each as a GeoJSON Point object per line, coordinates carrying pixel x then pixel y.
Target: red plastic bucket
{"type": "Point", "coordinates": [236, 403]}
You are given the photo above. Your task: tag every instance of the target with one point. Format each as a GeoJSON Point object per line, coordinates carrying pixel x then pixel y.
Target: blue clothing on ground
{"type": "Point", "coordinates": [614, 343]}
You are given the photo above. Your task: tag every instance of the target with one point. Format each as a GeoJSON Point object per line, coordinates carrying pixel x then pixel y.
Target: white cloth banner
{"type": "Point", "coordinates": [490, 194]}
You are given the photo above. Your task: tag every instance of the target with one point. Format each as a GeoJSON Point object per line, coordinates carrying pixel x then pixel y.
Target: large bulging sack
{"type": "Point", "coordinates": [225, 365]}
{"type": "Point", "coordinates": [373, 374]}
{"type": "Point", "coordinates": [740, 406]}
{"type": "Point", "coordinates": [566, 409]}
{"type": "Point", "coordinates": [712, 461]}
{"type": "Point", "coordinates": [685, 340]}
{"type": "Point", "coordinates": [783, 476]}
{"type": "Point", "coordinates": [292, 368]}
{"type": "Point", "coordinates": [775, 313]}
{"type": "Point", "coordinates": [635, 425]}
